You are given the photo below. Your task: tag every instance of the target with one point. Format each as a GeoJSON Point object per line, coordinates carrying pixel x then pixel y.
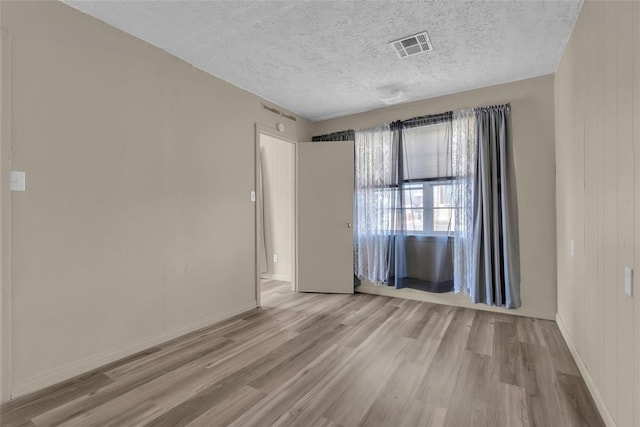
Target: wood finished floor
{"type": "Point", "coordinates": [333, 360]}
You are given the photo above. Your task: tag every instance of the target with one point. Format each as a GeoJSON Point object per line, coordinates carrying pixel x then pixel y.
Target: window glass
{"type": "Point", "coordinates": [427, 188]}
{"type": "Point", "coordinates": [443, 212]}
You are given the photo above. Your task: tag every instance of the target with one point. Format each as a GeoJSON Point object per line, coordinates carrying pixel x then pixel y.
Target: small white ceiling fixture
{"type": "Point", "coordinates": [394, 97]}
{"type": "Point", "coordinates": [412, 45]}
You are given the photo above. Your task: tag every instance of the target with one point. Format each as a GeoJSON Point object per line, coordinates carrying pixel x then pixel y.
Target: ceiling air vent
{"type": "Point", "coordinates": [269, 108]}
{"type": "Point", "coordinates": [278, 112]}
{"type": "Point", "coordinates": [288, 116]}
{"type": "Point", "coordinates": [412, 45]}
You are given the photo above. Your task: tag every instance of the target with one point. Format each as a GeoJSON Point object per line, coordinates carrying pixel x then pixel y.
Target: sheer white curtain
{"type": "Point", "coordinates": [374, 175]}
{"type": "Point", "coordinates": [465, 149]}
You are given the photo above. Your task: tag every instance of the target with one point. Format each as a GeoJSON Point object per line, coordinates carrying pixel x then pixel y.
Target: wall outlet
{"type": "Point", "coordinates": [628, 281]}
{"type": "Point", "coordinates": [275, 258]}
{"type": "Point", "coordinates": [571, 247]}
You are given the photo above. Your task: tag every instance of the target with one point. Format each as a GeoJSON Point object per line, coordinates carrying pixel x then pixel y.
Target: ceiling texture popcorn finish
{"type": "Point", "coordinates": [325, 59]}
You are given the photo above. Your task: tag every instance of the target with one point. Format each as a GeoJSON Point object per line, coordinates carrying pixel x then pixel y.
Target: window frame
{"type": "Point", "coordinates": [428, 207]}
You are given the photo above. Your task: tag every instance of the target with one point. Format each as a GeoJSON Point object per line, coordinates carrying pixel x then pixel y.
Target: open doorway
{"type": "Point", "coordinates": [275, 212]}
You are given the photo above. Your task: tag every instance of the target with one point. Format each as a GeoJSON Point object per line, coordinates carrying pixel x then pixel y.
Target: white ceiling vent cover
{"type": "Point", "coordinates": [412, 45]}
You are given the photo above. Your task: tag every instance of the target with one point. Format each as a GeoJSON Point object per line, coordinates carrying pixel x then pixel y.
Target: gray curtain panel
{"type": "Point", "coordinates": [496, 249]}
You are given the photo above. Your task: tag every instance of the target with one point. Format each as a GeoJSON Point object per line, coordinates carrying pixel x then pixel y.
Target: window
{"type": "Point", "coordinates": [414, 207]}
{"type": "Point", "coordinates": [444, 214]}
{"type": "Point", "coordinates": [429, 207]}
{"type": "Point", "coordinates": [425, 177]}
{"type": "Point", "coordinates": [427, 152]}
{"type": "Point", "coordinates": [428, 188]}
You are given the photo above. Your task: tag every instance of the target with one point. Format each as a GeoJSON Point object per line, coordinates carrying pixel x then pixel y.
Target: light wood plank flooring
{"type": "Point", "coordinates": [333, 360]}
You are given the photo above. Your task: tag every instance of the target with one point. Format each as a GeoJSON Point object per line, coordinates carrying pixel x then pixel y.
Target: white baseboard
{"type": "Point", "coordinates": [456, 300]}
{"type": "Point", "coordinates": [281, 277]}
{"type": "Point", "coordinates": [595, 394]}
{"type": "Point", "coordinates": [71, 370]}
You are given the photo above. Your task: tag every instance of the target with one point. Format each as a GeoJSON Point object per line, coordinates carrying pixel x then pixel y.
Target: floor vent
{"type": "Point", "coordinates": [412, 45]}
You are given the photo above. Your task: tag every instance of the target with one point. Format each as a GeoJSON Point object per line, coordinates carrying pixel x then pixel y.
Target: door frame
{"type": "Point", "coordinates": [6, 377]}
{"type": "Point", "coordinates": [265, 130]}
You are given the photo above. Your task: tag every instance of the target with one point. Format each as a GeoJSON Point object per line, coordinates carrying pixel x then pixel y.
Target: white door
{"type": "Point", "coordinates": [324, 215]}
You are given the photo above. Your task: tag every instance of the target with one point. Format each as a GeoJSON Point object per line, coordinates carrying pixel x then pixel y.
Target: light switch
{"type": "Point", "coordinates": [253, 196]}
{"type": "Point", "coordinates": [17, 181]}
{"type": "Point", "coordinates": [628, 281]}
{"type": "Point", "coordinates": [275, 258]}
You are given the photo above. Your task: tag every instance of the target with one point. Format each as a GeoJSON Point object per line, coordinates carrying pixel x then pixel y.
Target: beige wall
{"type": "Point", "coordinates": [136, 225]}
{"type": "Point", "coordinates": [533, 138]}
{"type": "Point", "coordinates": [598, 197]}
{"type": "Point", "coordinates": [278, 174]}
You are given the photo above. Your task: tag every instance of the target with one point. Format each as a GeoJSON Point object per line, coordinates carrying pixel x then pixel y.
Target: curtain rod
{"type": "Point", "coordinates": [417, 121]}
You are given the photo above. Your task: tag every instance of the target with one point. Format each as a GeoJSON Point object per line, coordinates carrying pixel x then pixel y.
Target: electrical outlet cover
{"type": "Point", "coordinates": [17, 181]}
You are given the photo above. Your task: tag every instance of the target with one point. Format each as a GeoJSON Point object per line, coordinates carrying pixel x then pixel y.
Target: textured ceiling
{"type": "Point", "coordinates": [324, 59]}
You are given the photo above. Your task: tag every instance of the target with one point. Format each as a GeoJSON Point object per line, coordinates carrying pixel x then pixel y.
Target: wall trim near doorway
{"type": "Point", "coordinates": [591, 385]}
{"type": "Point", "coordinates": [280, 277]}
{"type": "Point", "coordinates": [261, 129]}
{"type": "Point", "coordinates": [456, 300]}
{"type": "Point", "coordinates": [6, 376]}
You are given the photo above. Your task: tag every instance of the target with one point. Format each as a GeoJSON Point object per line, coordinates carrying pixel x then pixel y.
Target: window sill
{"type": "Point", "coordinates": [420, 236]}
